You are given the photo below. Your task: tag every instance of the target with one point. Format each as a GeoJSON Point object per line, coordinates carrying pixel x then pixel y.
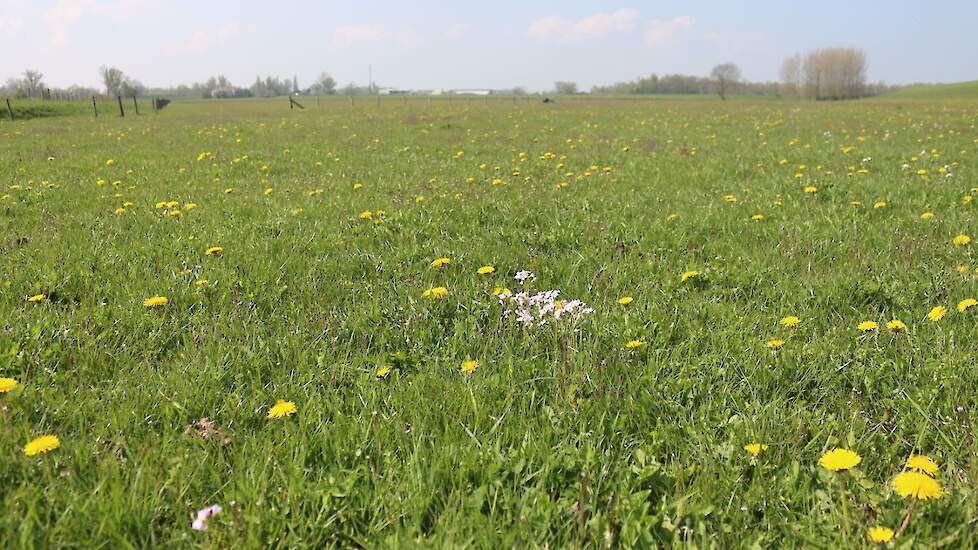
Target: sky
{"type": "Point", "coordinates": [429, 44]}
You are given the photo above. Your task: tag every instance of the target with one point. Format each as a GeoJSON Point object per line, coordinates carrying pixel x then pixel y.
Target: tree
{"type": "Point", "coordinates": [725, 77]}
{"type": "Point", "coordinates": [113, 79]}
{"type": "Point", "coordinates": [324, 85]}
{"type": "Point", "coordinates": [562, 87]}
{"type": "Point", "coordinates": [132, 88]}
{"type": "Point", "coordinates": [834, 73]}
{"type": "Point", "coordinates": [15, 87]}
{"type": "Point", "coordinates": [791, 75]}
{"type": "Point", "coordinates": [32, 80]}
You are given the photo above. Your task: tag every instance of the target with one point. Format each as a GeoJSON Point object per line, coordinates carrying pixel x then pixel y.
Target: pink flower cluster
{"type": "Point", "coordinates": [200, 522]}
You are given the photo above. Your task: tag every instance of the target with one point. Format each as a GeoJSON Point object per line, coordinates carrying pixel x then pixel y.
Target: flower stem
{"type": "Point", "coordinates": [906, 519]}
{"type": "Point", "coordinates": [845, 509]}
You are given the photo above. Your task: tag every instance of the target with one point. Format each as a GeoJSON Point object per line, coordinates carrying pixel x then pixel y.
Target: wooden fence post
{"type": "Point", "coordinates": [122, 112]}
{"type": "Point", "coordinates": [94, 107]}
{"type": "Point", "coordinates": [10, 110]}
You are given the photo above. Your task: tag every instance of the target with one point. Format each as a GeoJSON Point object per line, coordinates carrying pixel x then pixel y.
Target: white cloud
{"type": "Point", "coordinates": [458, 30]}
{"type": "Point", "coordinates": [556, 28]}
{"type": "Point", "coordinates": [203, 40]}
{"type": "Point", "coordinates": [63, 15]}
{"type": "Point", "coordinates": [347, 37]}
{"type": "Point", "coordinates": [663, 33]}
{"type": "Point", "coordinates": [10, 25]}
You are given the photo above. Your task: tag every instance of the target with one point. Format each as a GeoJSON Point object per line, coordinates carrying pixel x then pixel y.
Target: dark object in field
{"type": "Point", "coordinates": [548, 100]}
{"type": "Point", "coordinates": [159, 103]}
{"type": "Point", "coordinates": [293, 103]}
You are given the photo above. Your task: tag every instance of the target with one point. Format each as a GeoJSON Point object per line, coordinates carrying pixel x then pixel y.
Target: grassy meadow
{"type": "Point", "coordinates": [301, 255]}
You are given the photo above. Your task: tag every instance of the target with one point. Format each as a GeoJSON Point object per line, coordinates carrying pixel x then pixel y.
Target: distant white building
{"type": "Point", "coordinates": [471, 92]}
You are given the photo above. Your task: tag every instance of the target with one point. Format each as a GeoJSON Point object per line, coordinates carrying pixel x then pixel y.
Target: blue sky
{"type": "Point", "coordinates": [497, 44]}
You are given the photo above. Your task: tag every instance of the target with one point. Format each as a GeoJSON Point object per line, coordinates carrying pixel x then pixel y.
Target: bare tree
{"type": "Point", "coordinates": [15, 87]}
{"type": "Point", "coordinates": [791, 75]}
{"type": "Point", "coordinates": [562, 87]}
{"type": "Point", "coordinates": [32, 79]}
{"type": "Point", "coordinates": [725, 77]}
{"type": "Point", "coordinates": [113, 79]}
{"type": "Point", "coordinates": [834, 73]}
{"type": "Point", "coordinates": [325, 84]}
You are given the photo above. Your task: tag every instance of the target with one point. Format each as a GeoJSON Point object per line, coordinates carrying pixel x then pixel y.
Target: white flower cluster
{"type": "Point", "coordinates": [523, 276]}
{"type": "Point", "coordinates": [536, 310]}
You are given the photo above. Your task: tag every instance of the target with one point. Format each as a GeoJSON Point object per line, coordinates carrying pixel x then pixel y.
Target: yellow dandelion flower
{"type": "Point", "coordinates": [632, 344]}
{"type": "Point", "coordinates": [689, 275]}
{"type": "Point", "coordinates": [923, 464]}
{"type": "Point", "coordinates": [382, 372]}
{"type": "Point", "coordinates": [961, 240]}
{"type": "Point", "coordinates": [120, 210]}
{"type": "Point", "coordinates": [880, 535]}
{"type": "Point", "coordinates": [879, 205]}
{"type": "Point", "coordinates": [671, 217]}
{"type": "Point", "coordinates": [896, 325]}
{"type": "Point", "coordinates": [201, 282]}
{"type": "Point", "coordinates": [811, 189]}
{"type": "Point", "coordinates": [282, 409]}
{"type": "Point", "coordinates": [773, 343]}
{"type": "Point", "coordinates": [468, 367]}
{"type": "Point", "coordinates": [790, 321]}
{"type": "Point", "coordinates": [366, 215]}
{"type": "Point", "coordinates": [917, 485]}
{"type": "Point", "coordinates": [41, 445]}
{"type": "Point", "coordinates": [440, 262]}
{"type": "Point", "coordinates": [967, 303]}
{"type": "Point", "coordinates": [37, 298]}
{"type": "Point", "coordinates": [927, 216]}
{"type": "Point", "coordinates": [839, 459]}
{"type": "Point", "coordinates": [268, 191]}
{"type": "Point", "coordinates": [155, 301]}
{"type": "Point", "coordinates": [625, 300]}
{"type": "Point", "coordinates": [757, 217]}
{"type": "Point", "coordinates": [867, 326]}
{"type": "Point", "coordinates": [436, 292]}
{"type": "Point", "coordinates": [7, 384]}
{"type": "Point", "coordinates": [214, 251]}
{"type": "Point", "coordinates": [937, 313]}
{"type": "Point", "coordinates": [485, 270]}
{"type": "Point", "coordinates": [755, 448]}
{"type": "Point", "coordinates": [500, 290]}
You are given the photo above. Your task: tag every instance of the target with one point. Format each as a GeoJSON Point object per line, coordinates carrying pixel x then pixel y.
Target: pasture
{"type": "Point", "coordinates": [301, 255]}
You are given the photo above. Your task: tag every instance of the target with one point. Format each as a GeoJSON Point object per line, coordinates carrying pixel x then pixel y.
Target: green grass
{"type": "Point", "coordinates": [560, 438]}
{"type": "Point", "coordinates": [936, 92]}
{"type": "Point", "coordinates": [27, 109]}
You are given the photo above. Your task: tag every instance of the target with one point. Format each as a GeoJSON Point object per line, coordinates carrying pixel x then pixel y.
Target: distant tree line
{"type": "Point", "coordinates": [830, 73]}
{"type": "Point", "coordinates": [726, 81]}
